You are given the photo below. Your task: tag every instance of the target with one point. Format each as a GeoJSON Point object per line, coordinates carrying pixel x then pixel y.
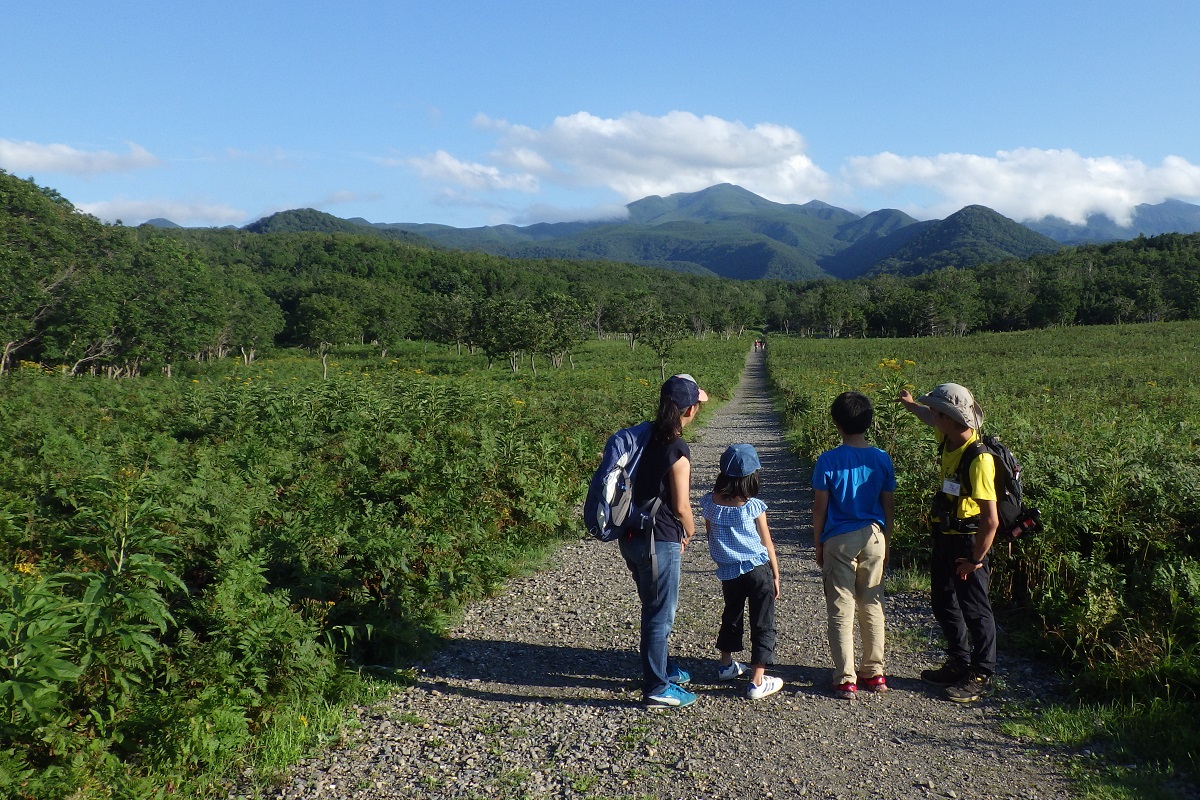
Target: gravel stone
{"type": "Point", "coordinates": [535, 694]}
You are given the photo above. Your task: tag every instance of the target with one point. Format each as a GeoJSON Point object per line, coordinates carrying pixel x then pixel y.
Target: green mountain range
{"type": "Point", "coordinates": [728, 231]}
{"type": "Point", "coordinates": [1169, 216]}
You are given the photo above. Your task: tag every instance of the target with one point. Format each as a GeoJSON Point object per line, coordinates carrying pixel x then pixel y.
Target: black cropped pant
{"type": "Point", "coordinates": [961, 606]}
{"type": "Point", "coordinates": [758, 587]}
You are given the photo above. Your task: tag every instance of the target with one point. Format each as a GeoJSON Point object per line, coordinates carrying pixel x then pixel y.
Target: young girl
{"type": "Point", "coordinates": [740, 544]}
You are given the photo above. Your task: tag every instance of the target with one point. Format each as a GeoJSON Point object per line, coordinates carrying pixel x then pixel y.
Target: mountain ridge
{"type": "Point", "coordinates": [729, 231]}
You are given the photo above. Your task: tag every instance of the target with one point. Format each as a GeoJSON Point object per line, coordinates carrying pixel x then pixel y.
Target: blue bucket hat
{"type": "Point", "coordinates": [740, 460]}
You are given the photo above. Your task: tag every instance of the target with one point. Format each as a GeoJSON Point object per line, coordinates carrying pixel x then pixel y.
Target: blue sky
{"type": "Point", "coordinates": [215, 113]}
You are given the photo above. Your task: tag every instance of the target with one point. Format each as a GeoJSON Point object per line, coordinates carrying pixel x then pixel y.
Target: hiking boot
{"type": "Point", "coordinates": [876, 683]}
{"type": "Point", "coordinates": [973, 686]}
{"type": "Point", "coordinates": [679, 677]}
{"type": "Point", "coordinates": [730, 671]}
{"type": "Point", "coordinates": [770, 685]}
{"type": "Point", "coordinates": [671, 697]}
{"type": "Point", "coordinates": [845, 691]}
{"type": "Point", "coordinates": [947, 674]}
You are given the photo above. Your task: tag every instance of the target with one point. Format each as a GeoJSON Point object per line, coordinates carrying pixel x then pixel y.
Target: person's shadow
{"type": "Point", "coordinates": [578, 676]}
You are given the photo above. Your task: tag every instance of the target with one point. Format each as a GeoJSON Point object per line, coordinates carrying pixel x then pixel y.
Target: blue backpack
{"type": "Point", "coordinates": [609, 509]}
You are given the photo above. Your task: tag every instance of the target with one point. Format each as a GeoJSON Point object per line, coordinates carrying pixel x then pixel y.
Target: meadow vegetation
{"type": "Point", "coordinates": [197, 571]}
{"type": "Point", "coordinates": [1106, 421]}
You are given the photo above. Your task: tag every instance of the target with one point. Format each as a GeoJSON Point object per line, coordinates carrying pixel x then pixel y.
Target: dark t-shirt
{"type": "Point", "coordinates": [653, 480]}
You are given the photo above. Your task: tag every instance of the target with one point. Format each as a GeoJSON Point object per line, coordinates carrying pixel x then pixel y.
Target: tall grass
{"type": "Point", "coordinates": [1106, 421]}
{"type": "Point", "coordinates": [195, 571]}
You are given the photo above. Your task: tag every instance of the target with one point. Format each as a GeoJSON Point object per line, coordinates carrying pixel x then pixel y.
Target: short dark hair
{"type": "Point", "coordinates": [744, 487]}
{"type": "Point", "coordinates": [853, 412]}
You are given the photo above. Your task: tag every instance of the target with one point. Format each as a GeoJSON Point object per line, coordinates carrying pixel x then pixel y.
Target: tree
{"type": "Point", "coordinates": [505, 328]}
{"type": "Point", "coordinates": [893, 309]}
{"type": "Point", "coordinates": [1058, 297]}
{"type": "Point", "coordinates": [566, 326]}
{"type": "Point", "coordinates": [1006, 292]}
{"type": "Point", "coordinates": [953, 295]}
{"type": "Point", "coordinates": [661, 333]}
{"type": "Point", "coordinates": [323, 321]}
{"type": "Point", "coordinates": [171, 305]}
{"type": "Point", "coordinates": [841, 308]}
{"type": "Point", "coordinates": [390, 318]}
{"type": "Point", "coordinates": [447, 319]}
{"type": "Point", "coordinates": [45, 247]}
{"type": "Point", "coordinates": [254, 322]}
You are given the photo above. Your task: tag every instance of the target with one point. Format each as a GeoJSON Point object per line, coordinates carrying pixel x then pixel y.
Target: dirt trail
{"type": "Point", "coordinates": [535, 694]}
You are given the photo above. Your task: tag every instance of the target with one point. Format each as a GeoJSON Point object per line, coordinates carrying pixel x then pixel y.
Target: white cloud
{"type": "Point", "coordinates": [637, 155]}
{"type": "Point", "coordinates": [551, 213]}
{"type": "Point", "coordinates": [33, 157]}
{"type": "Point", "coordinates": [442, 166]}
{"type": "Point", "coordinates": [1028, 183]}
{"type": "Point", "coordinates": [135, 212]}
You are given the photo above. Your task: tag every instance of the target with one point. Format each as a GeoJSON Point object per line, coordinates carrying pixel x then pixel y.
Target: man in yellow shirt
{"type": "Point", "coordinates": [964, 526]}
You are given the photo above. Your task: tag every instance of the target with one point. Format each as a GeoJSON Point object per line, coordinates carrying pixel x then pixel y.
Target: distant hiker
{"type": "Point", "coordinates": [853, 485]}
{"type": "Point", "coordinates": [654, 556]}
{"type": "Point", "coordinates": [964, 525]}
{"type": "Point", "coordinates": [739, 541]}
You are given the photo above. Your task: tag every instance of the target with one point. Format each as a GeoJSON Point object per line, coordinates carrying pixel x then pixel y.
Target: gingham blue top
{"type": "Point", "coordinates": [733, 540]}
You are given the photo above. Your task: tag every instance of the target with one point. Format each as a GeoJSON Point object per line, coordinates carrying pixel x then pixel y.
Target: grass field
{"type": "Point", "coordinates": [1106, 421]}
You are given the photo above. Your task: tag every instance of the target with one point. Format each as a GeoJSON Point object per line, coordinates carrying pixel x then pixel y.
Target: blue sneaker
{"type": "Point", "coordinates": [679, 677]}
{"type": "Point", "coordinates": [671, 697]}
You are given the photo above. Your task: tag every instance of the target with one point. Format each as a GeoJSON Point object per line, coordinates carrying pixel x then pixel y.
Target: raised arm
{"type": "Point", "coordinates": [923, 413]}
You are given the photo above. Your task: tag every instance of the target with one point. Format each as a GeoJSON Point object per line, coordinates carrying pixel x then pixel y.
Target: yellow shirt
{"type": "Point", "coordinates": [982, 477]}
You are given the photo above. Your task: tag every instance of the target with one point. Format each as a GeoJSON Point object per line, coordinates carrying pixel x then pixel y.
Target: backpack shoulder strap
{"type": "Point", "coordinates": [964, 465]}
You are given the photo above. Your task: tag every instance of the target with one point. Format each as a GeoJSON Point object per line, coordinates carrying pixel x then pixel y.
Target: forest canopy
{"type": "Point", "coordinates": [83, 296]}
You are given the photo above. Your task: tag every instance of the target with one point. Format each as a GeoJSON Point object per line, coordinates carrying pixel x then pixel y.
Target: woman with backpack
{"type": "Point", "coordinates": [653, 550]}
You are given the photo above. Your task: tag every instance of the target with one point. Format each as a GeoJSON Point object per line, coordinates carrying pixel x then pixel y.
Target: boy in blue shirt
{"type": "Point", "coordinates": [853, 486]}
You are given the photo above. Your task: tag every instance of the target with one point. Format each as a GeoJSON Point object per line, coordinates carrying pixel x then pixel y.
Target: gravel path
{"type": "Point", "coordinates": [535, 694]}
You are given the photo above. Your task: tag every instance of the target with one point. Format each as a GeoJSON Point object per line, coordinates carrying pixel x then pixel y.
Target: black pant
{"type": "Point", "coordinates": [961, 606]}
{"type": "Point", "coordinates": [758, 587]}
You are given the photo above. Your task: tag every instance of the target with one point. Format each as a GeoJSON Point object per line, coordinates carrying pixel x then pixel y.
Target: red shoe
{"type": "Point", "coordinates": [845, 691]}
{"type": "Point", "coordinates": [877, 683]}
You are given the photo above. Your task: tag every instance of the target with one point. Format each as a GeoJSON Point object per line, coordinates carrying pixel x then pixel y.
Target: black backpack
{"type": "Point", "coordinates": [1016, 519]}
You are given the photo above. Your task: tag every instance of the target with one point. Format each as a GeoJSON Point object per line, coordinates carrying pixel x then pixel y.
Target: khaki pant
{"type": "Point", "coordinates": [853, 573]}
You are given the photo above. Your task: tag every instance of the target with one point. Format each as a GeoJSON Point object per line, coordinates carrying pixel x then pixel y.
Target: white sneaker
{"type": "Point", "coordinates": [770, 685]}
{"type": "Point", "coordinates": [728, 673]}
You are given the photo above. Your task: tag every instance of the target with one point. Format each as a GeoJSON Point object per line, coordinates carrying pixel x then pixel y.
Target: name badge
{"type": "Point", "coordinates": [951, 487]}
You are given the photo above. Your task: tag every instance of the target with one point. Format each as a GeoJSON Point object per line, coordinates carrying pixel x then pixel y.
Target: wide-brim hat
{"type": "Point", "coordinates": [955, 402]}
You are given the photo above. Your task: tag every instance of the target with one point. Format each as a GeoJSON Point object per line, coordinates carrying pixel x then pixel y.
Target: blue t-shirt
{"type": "Point", "coordinates": [854, 478]}
{"type": "Point", "coordinates": [733, 540]}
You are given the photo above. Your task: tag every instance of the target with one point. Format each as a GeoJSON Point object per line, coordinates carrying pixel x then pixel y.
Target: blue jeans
{"type": "Point", "coordinates": [659, 599]}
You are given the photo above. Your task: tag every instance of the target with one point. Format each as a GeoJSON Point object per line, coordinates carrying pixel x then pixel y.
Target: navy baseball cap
{"type": "Point", "coordinates": [683, 391]}
{"type": "Point", "coordinates": [740, 460]}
